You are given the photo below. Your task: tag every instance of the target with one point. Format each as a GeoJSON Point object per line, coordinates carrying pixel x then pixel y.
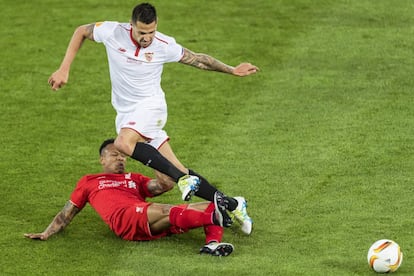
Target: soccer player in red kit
{"type": "Point", "coordinates": [119, 198]}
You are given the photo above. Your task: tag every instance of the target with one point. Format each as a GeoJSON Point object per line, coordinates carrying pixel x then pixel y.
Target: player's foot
{"type": "Point", "coordinates": [217, 249]}
{"type": "Point", "coordinates": [188, 185]}
{"type": "Point", "coordinates": [220, 214]}
{"type": "Point", "coordinates": [240, 213]}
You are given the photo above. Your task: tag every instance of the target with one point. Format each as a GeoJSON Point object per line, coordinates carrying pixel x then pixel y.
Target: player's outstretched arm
{"type": "Point", "coordinates": [245, 69]}
{"type": "Point", "coordinates": [60, 77]}
{"type": "Point", "coordinates": [61, 220]}
{"type": "Point", "coordinates": [157, 187]}
{"type": "Point", "coordinates": [206, 62]}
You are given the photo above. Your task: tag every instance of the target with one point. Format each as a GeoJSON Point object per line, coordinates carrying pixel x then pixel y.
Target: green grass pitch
{"type": "Point", "coordinates": [320, 142]}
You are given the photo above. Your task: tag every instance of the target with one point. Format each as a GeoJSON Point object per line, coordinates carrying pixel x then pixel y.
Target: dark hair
{"type": "Point", "coordinates": [104, 144]}
{"type": "Point", "coordinates": [144, 13]}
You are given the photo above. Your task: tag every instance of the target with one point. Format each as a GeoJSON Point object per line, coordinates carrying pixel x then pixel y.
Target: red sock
{"type": "Point", "coordinates": [186, 218]}
{"type": "Point", "coordinates": [213, 232]}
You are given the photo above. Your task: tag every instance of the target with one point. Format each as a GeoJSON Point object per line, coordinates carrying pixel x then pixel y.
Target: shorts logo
{"type": "Point", "coordinates": [131, 123]}
{"type": "Point", "coordinates": [139, 209]}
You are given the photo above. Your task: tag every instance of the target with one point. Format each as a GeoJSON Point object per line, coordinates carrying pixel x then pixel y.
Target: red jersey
{"type": "Point", "coordinates": [113, 196]}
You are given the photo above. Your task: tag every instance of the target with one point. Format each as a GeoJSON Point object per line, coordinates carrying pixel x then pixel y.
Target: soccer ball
{"type": "Point", "coordinates": [385, 256]}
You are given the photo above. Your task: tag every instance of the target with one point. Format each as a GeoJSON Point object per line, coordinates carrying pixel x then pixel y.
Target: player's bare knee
{"type": "Point", "coordinates": [166, 209]}
{"type": "Point", "coordinates": [122, 146]}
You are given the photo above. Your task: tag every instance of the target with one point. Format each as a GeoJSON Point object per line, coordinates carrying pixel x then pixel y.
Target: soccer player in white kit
{"type": "Point", "coordinates": [136, 54]}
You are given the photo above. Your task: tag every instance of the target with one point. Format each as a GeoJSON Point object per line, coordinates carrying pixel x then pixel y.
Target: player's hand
{"type": "Point", "coordinates": [58, 79]}
{"type": "Point", "coordinates": [38, 236]}
{"type": "Point", "coordinates": [245, 69]}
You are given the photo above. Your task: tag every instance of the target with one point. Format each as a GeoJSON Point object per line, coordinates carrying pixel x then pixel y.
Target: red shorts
{"type": "Point", "coordinates": [132, 224]}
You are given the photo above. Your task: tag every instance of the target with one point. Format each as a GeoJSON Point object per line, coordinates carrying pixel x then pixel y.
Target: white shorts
{"type": "Point", "coordinates": [148, 119]}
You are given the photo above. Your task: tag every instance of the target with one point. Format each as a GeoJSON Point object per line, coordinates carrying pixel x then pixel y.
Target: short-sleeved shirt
{"type": "Point", "coordinates": [135, 71]}
{"type": "Point", "coordinates": [120, 201]}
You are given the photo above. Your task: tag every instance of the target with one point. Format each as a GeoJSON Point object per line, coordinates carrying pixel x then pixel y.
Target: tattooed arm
{"type": "Point", "coordinates": [206, 62]}
{"type": "Point", "coordinates": [157, 186]}
{"type": "Point", "coordinates": [61, 220]}
{"type": "Point", "coordinates": [61, 76]}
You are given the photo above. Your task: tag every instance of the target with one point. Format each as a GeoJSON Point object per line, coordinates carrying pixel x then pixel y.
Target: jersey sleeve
{"type": "Point", "coordinates": [142, 185]}
{"type": "Point", "coordinates": [79, 196]}
{"type": "Point", "coordinates": [175, 52]}
{"type": "Point", "coordinates": [103, 30]}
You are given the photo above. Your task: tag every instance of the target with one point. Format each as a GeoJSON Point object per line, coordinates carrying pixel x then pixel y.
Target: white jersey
{"type": "Point", "coordinates": [135, 72]}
